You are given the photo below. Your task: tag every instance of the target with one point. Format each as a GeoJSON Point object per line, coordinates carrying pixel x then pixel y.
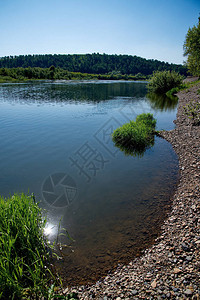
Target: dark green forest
{"type": "Point", "coordinates": [92, 63]}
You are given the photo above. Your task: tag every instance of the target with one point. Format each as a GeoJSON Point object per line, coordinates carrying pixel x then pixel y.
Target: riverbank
{"type": "Point", "coordinates": [171, 267]}
{"type": "Point", "coordinates": [19, 74]}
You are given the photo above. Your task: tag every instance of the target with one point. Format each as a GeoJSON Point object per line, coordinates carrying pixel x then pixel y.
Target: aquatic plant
{"type": "Point", "coordinates": [23, 249]}
{"type": "Point", "coordinates": [25, 271]}
{"type": "Point", "coordinates": [136, 136]}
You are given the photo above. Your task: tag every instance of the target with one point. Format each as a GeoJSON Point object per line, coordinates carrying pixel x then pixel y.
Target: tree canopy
{"type": "Point", "coordinates": [192, 49]}
{"type": "Point", "coordinates": [92, 63]}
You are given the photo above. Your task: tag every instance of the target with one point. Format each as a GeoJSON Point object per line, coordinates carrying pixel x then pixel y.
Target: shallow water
{"type": "Point", "coordinates": [55, 142]}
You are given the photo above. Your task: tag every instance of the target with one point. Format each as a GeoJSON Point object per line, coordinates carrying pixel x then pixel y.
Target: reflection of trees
{"type": "Point", "coordinates": [95, 91]}
{"type": "Point", "coordinates": [63, 91]}
{"type": "Point", "coordinates": [162, 102]}
{"type": "Point", "coordinates": [136, 151]}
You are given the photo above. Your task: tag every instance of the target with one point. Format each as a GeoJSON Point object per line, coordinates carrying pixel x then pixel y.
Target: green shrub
{"type": "Point", "coordinates": [135, 137]}
{"type": "Point", "coordinates": [163, 81]}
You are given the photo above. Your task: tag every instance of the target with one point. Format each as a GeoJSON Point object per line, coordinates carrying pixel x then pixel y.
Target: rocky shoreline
{"type": "Point", "coordinates": [170, 269]}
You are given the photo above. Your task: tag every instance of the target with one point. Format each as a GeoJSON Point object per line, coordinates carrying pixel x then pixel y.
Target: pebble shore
{"type": "Point", "coordinates": [170, 269]}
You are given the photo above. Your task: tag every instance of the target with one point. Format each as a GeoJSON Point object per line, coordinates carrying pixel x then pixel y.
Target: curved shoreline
{"type": "Point", "coordinates": [169, 269]}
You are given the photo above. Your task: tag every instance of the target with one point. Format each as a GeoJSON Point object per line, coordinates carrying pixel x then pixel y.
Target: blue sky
{"type": "Point", "coordinates": [153, 29]}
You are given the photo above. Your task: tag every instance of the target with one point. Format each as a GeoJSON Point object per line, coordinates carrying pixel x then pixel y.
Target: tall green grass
{"type": "Point", "coordinates": [135, 137]}
{"type": "Point", "coordinates": [24, 255]}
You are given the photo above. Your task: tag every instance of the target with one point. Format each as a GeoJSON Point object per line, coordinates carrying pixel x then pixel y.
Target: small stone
{"type": "Point", "coordinates": [93, 295]}
{"type": "Point", "coordinates": [134, 292]}
{"type": "Point", "coordinates": [177, 271]}
{"type": "Point", "coordinates": [188, 292]}
{"type": "Point", "coordinates": [188, 258]}
{"type": "Point", "coordinates": [154, 284]}
{"type": "Point", "coordinates": [185, 247]}
{"type": "Point", "coordinates": [191, 288]}
{"type": "Point", "coordinates": [65, 291]}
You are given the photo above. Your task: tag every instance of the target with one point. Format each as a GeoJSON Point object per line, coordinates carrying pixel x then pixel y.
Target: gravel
{"type": "Point", "coordinates": [170, 269]}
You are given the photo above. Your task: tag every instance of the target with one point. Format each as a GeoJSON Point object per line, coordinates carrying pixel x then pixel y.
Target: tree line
{"type": "Point", "coordinates": [92, 63]}
{"type": "Point", "coordinates": [52, 73]}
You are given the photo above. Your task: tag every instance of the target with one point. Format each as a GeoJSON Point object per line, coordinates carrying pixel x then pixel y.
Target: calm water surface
{"type": "Point", "coordinates": [56, 142]}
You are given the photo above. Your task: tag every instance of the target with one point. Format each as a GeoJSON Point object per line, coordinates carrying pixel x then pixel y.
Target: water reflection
{"type": "Point", "coordinates": [50, 229]}
{"type": "Point", "coordinates": [162, 102]}
{"type": "Point", "coordinates": [136, 151]}
{"type": "Point", "coordinates": [71, 91]}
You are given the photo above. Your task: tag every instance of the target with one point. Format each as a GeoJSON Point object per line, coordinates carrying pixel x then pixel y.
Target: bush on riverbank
{"type": "Point", "coordinates": [163, 81]}
{"type": "Point", "coordinates": [135, 137]}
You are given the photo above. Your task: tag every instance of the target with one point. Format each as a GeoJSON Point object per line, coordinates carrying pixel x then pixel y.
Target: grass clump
{"type": "Point", "coordinates": [24, 255]}
{"type": "Point", "coordinates": [182, 86]}
{"type": "Point", "coordinates": [136, 136]}
{"type": "Point", "coordinates": [163, 81]}
{"type": "Point", "coordinates": [175, 90]}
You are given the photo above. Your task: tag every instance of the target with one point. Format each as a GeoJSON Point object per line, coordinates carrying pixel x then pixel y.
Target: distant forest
{"type": "Point", "coordinates": [92, 63]}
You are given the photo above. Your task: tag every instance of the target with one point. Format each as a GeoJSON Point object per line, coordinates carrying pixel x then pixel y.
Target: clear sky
{"type": "Point", "coordinates": [153, 29]}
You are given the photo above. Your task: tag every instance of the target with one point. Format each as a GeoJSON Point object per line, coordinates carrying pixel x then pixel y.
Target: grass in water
{"type": "Point", "coordinates": [135, 137]}
{"type": "Point", "coordinates": [23, 249]}
{"type": "Point", "coordinates": [24, 254]}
